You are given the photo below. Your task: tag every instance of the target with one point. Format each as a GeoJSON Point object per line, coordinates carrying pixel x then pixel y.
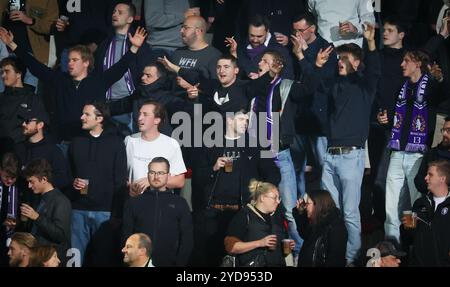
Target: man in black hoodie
{"type": "Point", "coordinates": [39, 145]}
{"type": "Point", "coordinates": [162, 215]}
{"type": "Point", "coordinates": [99, 165]}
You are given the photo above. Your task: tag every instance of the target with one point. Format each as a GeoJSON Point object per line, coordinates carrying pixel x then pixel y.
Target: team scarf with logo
{"type": "Point", "coordinates": [109, 61]}
{"type": "Point", "coordinates": [418, 130]}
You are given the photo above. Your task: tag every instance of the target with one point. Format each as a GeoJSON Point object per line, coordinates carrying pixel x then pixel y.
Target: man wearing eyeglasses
{"type": "Point", "coordinates": [442, 151]}
{"type": "Point", "coordinates": [162, 215]}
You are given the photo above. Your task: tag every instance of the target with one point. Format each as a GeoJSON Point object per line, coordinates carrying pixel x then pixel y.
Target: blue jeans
{"type": "Point", "coordinates": [288, 193]}
{"type": "Point", "coordinates": [84, 225]}
{"type": "Point", "coordinates": [342, 176]}
{"type": "Point", "coordinates": [403, 168]}
{"type": "Point", "coordinates": [299, 155]}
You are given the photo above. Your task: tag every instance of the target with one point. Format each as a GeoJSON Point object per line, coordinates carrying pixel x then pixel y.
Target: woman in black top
{"type": "Point", "coordinates": [256, 232]}
{"type": "Point", "coordinates": [321, 226]}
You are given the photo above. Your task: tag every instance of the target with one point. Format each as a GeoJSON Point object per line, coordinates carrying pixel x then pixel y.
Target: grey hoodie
{"type": "Point", "coordinates": [164, 19]}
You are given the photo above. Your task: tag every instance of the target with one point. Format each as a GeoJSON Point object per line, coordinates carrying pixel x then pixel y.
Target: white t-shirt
{"type": "Point", "coordinates": [140, 152]}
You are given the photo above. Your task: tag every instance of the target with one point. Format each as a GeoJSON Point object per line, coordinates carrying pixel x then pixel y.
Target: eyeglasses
{"type": "Point", "coordinates": [27, 121]}
{"type": "Point", "coordinates": [295, 31]}
{"type": "Point", "coordinates": [158, 173]}
{"type": "Point", "coordinates": [445, 130]}
{"type": "Point", "coordinates": [185, 27]}
{"type": "Point", "coordinates": [276, 198]}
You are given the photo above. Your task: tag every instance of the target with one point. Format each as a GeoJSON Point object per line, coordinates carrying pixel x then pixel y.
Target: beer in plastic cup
{"type": "Point", "coordinates": [84, 190]}
{"type": "Point", "coordinates": [287, 246]}
{"type": "Point", "coordinates": [410, 219]}
{"type": "Point", "coordinates": [229, 165]}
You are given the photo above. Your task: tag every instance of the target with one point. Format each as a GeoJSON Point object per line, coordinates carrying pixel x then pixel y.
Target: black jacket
{"type": "Point", "coordinates": [432, 239]}
{"type": "Point", "coordinates": [350, 102]}
{"type": "Point", "coordinates": [53, 223]}
{"type": "Point", "coordinates": [46, 149]}
{"type": "Point", "coordinates": [14, 101]}
{"type": "Point", "coordinates": [103, 161]}
{"type": "Point", "coordinates": [257, 226]}
{"type": "Point", "coordinates": [166, 218]}
{"type": "Point", "coordinates": [251, 166]}
{"type": "Point", "coordinates": [69, 98]}
{"type": "Point", "coordinates": [299, 94]}
{"type": "Point", "coordinates": [436, 153]}
{"type": "Point", "coordinates": [324, 245]}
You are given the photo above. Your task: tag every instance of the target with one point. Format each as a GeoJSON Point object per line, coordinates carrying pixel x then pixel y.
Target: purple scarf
{"type": "Point", "coordinates": [109, 61]}
{"type": "Point", "coordinates": [418, 130]}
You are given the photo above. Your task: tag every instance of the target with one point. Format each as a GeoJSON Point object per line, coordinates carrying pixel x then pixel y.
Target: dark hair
{"type": "Point", "coordinates": [353, 49]}
{"type": "Point", "coordinates": [145, 242]}
{"type": "Point", "coordinates": [41, 254]}
{"type": "Point", "coordinates": [420, 56]}
{"type": "Point", "coordinates": [101, 109]}
{"type": "Point", "coordinates": [309, 18]}
{"type": "Point", "coordinates": [159, 111]}
{"type": "Point", "coordinates": [323, 205]}
{"type": "Point", "coordinates": [277, 56]}
{"type": "Point", "coordinates": [160, 160]}
{"type": "Point", "coordinates": [85, 53]}
{"type": "Point", "coordinates": [24, 239]}
{"type": "Point", "coordinates": [399, 25]}
{"type": "Point", "coordinates": [10, 164]}
{"type": "Point", "coordinates": [258, 21]}
{"type": "Point", "coordinates": [17, 64]}
{"type": "Point", "coordinates": [231, 58]}
{"type": "Point", "coordinates": [160, 69]}
{"type": "Point", "coordinates": [39, 168]}
{"type": "Point", "coordinates": [443, 168]}
{"type": "Point", "coordinates": [447, 119]}
{"type": "Point", "coordinates": [131, 7]}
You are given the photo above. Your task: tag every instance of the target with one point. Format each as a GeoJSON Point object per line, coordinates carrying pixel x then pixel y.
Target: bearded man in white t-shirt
{"type": "Point", "coordinates": [142, 147]}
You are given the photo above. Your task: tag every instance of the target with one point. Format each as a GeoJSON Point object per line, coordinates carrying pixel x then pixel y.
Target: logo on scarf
{"type": "Point", "coordinates": [444, 211]}
{"type": "Point", "coordinates": [418, 124]}
{"type": "Point", "coordinates": [398, 120]}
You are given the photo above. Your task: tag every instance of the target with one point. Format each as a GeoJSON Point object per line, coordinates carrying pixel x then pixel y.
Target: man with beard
{"type": "Point", "coordinates": [442, 151]}
{"type": "Point", "coordinates": [39, 145]}
{"type": "Point", "coordinates": [197, 54]}
{"type": "Point", "coordinates": [162, 215]}
{"type": "Point", "coordinates": [20, 249]}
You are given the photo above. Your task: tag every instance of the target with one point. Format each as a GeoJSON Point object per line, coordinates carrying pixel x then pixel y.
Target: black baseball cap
{"type": "Point", "coordinates": [388, 248]}
{"type": "Point", "coordinates": [34, 113]}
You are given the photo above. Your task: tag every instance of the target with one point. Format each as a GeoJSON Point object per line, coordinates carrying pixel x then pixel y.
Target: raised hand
{"type": "Point", "coordinates": [6, 36]}
{"type": "Point", "coordinates": [171, 67]}
{"type": "Point", "coordinates": [323, 56]}
{"type": "Point", "coordinates": [61, 25]}
{"type": "Point", "coordinates": [369, 31]}
{"type": "Point", "coordinates": [230, 42]}
{"type": "Point", "coordinates": [281, 38]}
{"type": "Point", "coordinates": [436, 71]}
{"type": "Point", "coordinates": [382, 117]}
{"type": "Point", "coordinates": [298, 46]}
{"type": "Point", "coordinates": [137, 39]}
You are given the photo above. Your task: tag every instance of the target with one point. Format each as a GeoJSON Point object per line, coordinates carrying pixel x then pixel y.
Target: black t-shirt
{"type": "Point", "coordinates": [238, 226]}
{"type": "Point", "coordinates": [227, 190]}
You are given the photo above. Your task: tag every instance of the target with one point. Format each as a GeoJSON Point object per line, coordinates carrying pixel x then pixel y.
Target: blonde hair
{"type": "Point", "coordinates": [258, 188]}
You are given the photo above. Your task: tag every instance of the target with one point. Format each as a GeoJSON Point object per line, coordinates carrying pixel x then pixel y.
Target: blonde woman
{"type": "Point", "coordinates": [256, 232]}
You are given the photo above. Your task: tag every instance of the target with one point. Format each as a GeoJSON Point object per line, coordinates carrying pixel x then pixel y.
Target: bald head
{"type": "Point", "coordinates": [198, 22]}
{"type": "Point", "coordinates": [193, 32]}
